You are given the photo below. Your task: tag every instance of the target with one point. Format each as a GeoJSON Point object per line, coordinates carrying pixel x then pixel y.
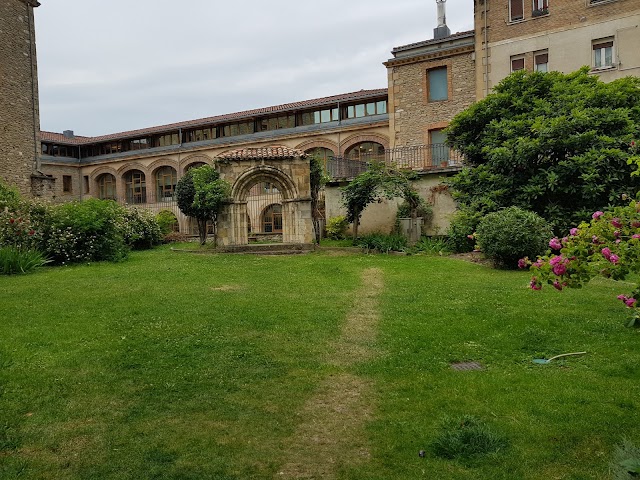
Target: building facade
{"type": "Point", "coordinates": [19, 108]}
{"type": "Point", "coordinates": [558, 35]}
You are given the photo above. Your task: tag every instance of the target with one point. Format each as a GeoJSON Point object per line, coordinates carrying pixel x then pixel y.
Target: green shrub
{"type": "Point", "coordinates": [14, 260]}
{"type": "Point", "coordinates": [140, 228]}
{"type": "Point", "coordinates": [16, 230]}
{"type": "Point", "coordinates": [168, 221]}
{"type": "Point", "coordinates": [382, 243]}
{"type": "Point", "coordinates": [424, 210]}
{"type": "Point", "coordinates": [463, 225]}
{"type": "Point", "coordinates": [466, 437]}
{"type": "Point", "coordinates": [9, 197]}
{"type": "Point", "coordinates": [91, 230]}
{"type": "Point", "coordinates": [337, 228]}
{"type": "Point", "coordinates": [433, 246]}
{"type": "Point", "coordinates": [626, 462]}
{"type": "Point", "coordinates": [511, 234]}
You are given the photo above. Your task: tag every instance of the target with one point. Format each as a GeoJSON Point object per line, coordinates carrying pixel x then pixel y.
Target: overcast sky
{"type": "Point", "coordinates": [117, 65]}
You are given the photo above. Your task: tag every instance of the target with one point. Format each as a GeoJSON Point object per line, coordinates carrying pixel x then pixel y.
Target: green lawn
{"type": "Point", "coordinates": [186, 366]}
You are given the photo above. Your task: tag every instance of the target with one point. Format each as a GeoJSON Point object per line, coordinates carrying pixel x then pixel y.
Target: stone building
{"type": "Point", "coordinates": [546, 35]}
{"type": "Point", "coordinates": [19, 108]}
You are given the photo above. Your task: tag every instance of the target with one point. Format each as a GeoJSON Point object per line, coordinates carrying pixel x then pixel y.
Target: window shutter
{"type": "Point", "coordinates": [517, 9]}
{"type": "Point", "coordinates": [598, 46]}
{"type": "Point", "coordinates": [517, 64]}
{"type": "Point", "coordinates": [542, 58]}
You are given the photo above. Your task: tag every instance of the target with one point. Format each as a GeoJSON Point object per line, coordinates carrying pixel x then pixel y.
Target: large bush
{"type": "Point", "coordinates": [511, 234]}
{"type": "Point", "coordinates": [461, 229]}
{"type": "Point", "coordinates": [140, 229]}
{"type": "Point", "coordinates": [9, 197]}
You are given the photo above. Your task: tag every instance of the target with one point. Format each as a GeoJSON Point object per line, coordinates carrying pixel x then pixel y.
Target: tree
{"type": "Point", "coordinates": [317, 180]}
{"type": "Point", "coordinates": [379, 181]}
{"type": "Point", "coordinates": [552, 143]}
{"type": "Point", "coordinates": [202, 194]}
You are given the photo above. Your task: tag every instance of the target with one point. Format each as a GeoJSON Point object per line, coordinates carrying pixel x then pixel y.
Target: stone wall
{"type": "Point", "coordinates": [19, 115]}
{"type": "Point", "coordinates": [64, 189]}
{"type": "Point", "coordinates": [413, 115]}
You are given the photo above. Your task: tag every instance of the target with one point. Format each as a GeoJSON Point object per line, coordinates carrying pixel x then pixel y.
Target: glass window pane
{"type": "Point", "coordinates": [438, 86]}
{"type": "Point", "coordinates": [608, 56]}
{"type": "Point", "coordinates": [325, 116]}
{"type": "Point", "coordinates": [360, 110]}
{"type": "Point", "coordinates": [316, 117]}
{"type": "Point", "coordinates": [371, 108]}
{"type": "Point", "coordinates": [598, 57]}
{"type": "Point", "coordinates": [381, 107]}
{"type": "Point", "coordinates": [351, 111]}
{"type": "Point", "coordinates": [334, 114]}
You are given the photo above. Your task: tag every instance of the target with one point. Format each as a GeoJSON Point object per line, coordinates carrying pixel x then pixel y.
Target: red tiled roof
{"type": "Point", "coordinates": [247, 114]}
{"type": "Point", "coordinates": [276, 151]}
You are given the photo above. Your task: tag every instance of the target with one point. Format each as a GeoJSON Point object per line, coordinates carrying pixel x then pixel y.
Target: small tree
{"type": "Point", "coordinates": [201, 194]}
{"type": "Point", "coordinates": [317, 180]}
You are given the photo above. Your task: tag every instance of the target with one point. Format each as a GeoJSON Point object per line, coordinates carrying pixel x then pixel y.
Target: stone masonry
{"type": "Point", "coordinates": [19, 113]}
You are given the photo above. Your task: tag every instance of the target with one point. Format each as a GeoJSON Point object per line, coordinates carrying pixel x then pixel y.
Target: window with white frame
{"type": "Point", "coordinates": [540, 7]}
{"type": "Point", "coordinates": [541, 61]}
{"type": "Point", "coordinates": [603, 53]}
{"type": "Point", "coordinates": [517, 63]}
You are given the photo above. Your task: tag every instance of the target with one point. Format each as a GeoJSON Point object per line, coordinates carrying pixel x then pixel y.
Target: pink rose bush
{"type": "Point", "coordinates": [608, 246]}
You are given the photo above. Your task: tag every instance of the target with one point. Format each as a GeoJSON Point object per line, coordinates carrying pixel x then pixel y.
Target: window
{"type": "Point", "coordinates": [603, 53]}
{"type": "Point", "coordinates": [516, 10]}
{"type": "Point", "coordinates": [541, 61]}
{"type": "Point", "coordinates": [438, 84]}
{"type": "Point", "coordinates": [540, 7]}
{"type": "Point", "coordinates": [517, 63]}
{"type": "Point", "coordinates": [365, 152]}
{"type": "Point", "coordinates": [136, 187]}
{"type": "Point", "coordinates": [86, 183]}
{"type": "Point", "coordinates": [139, 144]}
{"type": "Point", "coordinates": [237, 129]}
{"type": "Point", "coordinates": [166, 140]}
{"type": "Point", "coordinates": [321, 153]}
{"type": "Point", "coordinates": [440, 151]}
{"type": "Point", "coordinates": [67, 184]}
{"type": "Point", "coordinates": [107, 187]}
{"type": "Point", "coordinates": [272, 219]}
{"type": "Point", "coordinates": [166, 180]}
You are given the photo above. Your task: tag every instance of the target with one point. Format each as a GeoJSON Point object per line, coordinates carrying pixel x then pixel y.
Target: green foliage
{"type": "Point", "coordinates": [433, 246]}
{"type": "Point", "coordinates": [140, 229]}
{"type": "Point", "coordinates": [511, 234]}
{"type": "Point", "coordinates": [14, 260]}
{"type": "Point", "coordinates": [422, 209]}
{"type": "Point", "coordinates": [382, 243]}
{"type": "Point", "coordinates": [167, 221]}
{"type": "Point", "coordinates": [466, 437]}
{"type": "Point", "coordinates": [9, 197]}
{"type": "Point", "coordinates": [336, 228]}
{"type": "Point", "coordinates": [201, 194]}
{"type": "Point", "coordinates": [608, 246]}
{"type": "Point", "coordinates": [626, 462]}
{"type": "Point", "coordinates": [552, 143]}
{"type": "Point", "coordinates": [461, 229]}
{"type": "Point", "coordinates": [317, 180]}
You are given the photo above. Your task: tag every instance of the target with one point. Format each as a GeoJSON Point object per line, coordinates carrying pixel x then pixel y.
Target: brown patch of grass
{"type": "Point", "coordinates": [330, 433]}
{"type": "Point", "coordinates": [227, 288]}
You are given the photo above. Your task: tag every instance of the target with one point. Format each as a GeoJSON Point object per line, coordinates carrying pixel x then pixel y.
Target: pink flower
{"type": "Point", "coordinates": [636, 236]}
{"type": "Point", "coordinates": [556, 260]}
{"type": "Point", "coordinates": [470, 237]}
{"type": "Point", "coordinates": [538, 263]}
{"type": "Point", "coordinates": [606, 253]}
{"type": "Point", "coordinates": [574, 232]}
{"type": "Point", "coordinates": [535, 285]}
{"type": "Point", "coordinates": [616, 233]}
{"type": "Point", "coordinates": [618, 242]}
{"type": "Point", "coordinates": [555, 244]}
{"type": "Point", "coordinates": [522, 263]}
{"type": "Point", "coordinates": [614, 259]}
{"type": "Point", "coordinates": [616, 223]}
{"type": "Point", "coordinates": [564, 240]}
{"type": "Point", "coordinates": [630, 302]}
{"type": "Point", "coordinates": [635, 224]}
{"type": "Point", "coordinates": [560, 269]}
{"type": "Point", "coordinates": [622, 297]}
{"type": "Point", "coordinates": [595, 240]}
{"type": "Point", "coordinates": [557, 285]}
{"type": "Point", "coordinates": [597, 215]}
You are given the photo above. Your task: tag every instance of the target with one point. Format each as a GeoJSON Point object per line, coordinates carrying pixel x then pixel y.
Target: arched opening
{"type": "Point", "coordinates": [166, 180]}
{"type": "Point", "coordinates": [321, 153]}
{"type": "Point", "coordinates": [107, 187]}
{"type": "Point", "coordinates": [272, 219]}
{"type": "Point", "coordinates": [135, 187]}
{"type": "Point", "coordinates": [365, 152]}
{"type": "Point", "coordinates": [193, 165]}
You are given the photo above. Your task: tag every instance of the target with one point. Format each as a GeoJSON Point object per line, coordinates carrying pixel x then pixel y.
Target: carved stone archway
{"type": "Point", "coordinates": [286, 168]}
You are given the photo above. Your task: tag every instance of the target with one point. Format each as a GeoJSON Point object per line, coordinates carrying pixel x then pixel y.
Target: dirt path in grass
{"type": "Point", "coordinates": [330, 434]}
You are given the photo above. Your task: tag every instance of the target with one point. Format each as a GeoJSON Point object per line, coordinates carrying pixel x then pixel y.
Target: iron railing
{"type": "Point", "coordinates": [418, 158]}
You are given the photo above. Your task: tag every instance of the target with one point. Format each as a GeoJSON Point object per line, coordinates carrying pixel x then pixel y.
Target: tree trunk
{"type": "Point", "coordinates": [202, 231]}
{"type": "Point", "coordinates": [356, 222]}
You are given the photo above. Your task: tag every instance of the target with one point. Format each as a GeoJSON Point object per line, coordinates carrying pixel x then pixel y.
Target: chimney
{"type": "Point", "coordinates": [68, 134]}
{"type": "Point", "coordinates": [442, 30]}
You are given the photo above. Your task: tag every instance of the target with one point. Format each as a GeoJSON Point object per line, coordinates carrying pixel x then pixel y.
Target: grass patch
{"type": "Point", "coordinates": [466, 437]}
{"type": "Point", "coordinates": [205, 366]}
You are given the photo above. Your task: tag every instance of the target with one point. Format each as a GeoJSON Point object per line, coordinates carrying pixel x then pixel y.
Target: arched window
{"type": "Point", "coordinates": [135, 187]}
{"type": "Point", "coordinates": [107, 187]}
{"type": "Point", "coordinates": [193, 165]}
{"type": "Point", "coordinates": [321, 153]}
{"type": "Point", "coordinates": [365, 152]}
{"type": "Point", "coordinates": [166, 180]}
{"type": "Point", "coordinates": [272, 219]}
